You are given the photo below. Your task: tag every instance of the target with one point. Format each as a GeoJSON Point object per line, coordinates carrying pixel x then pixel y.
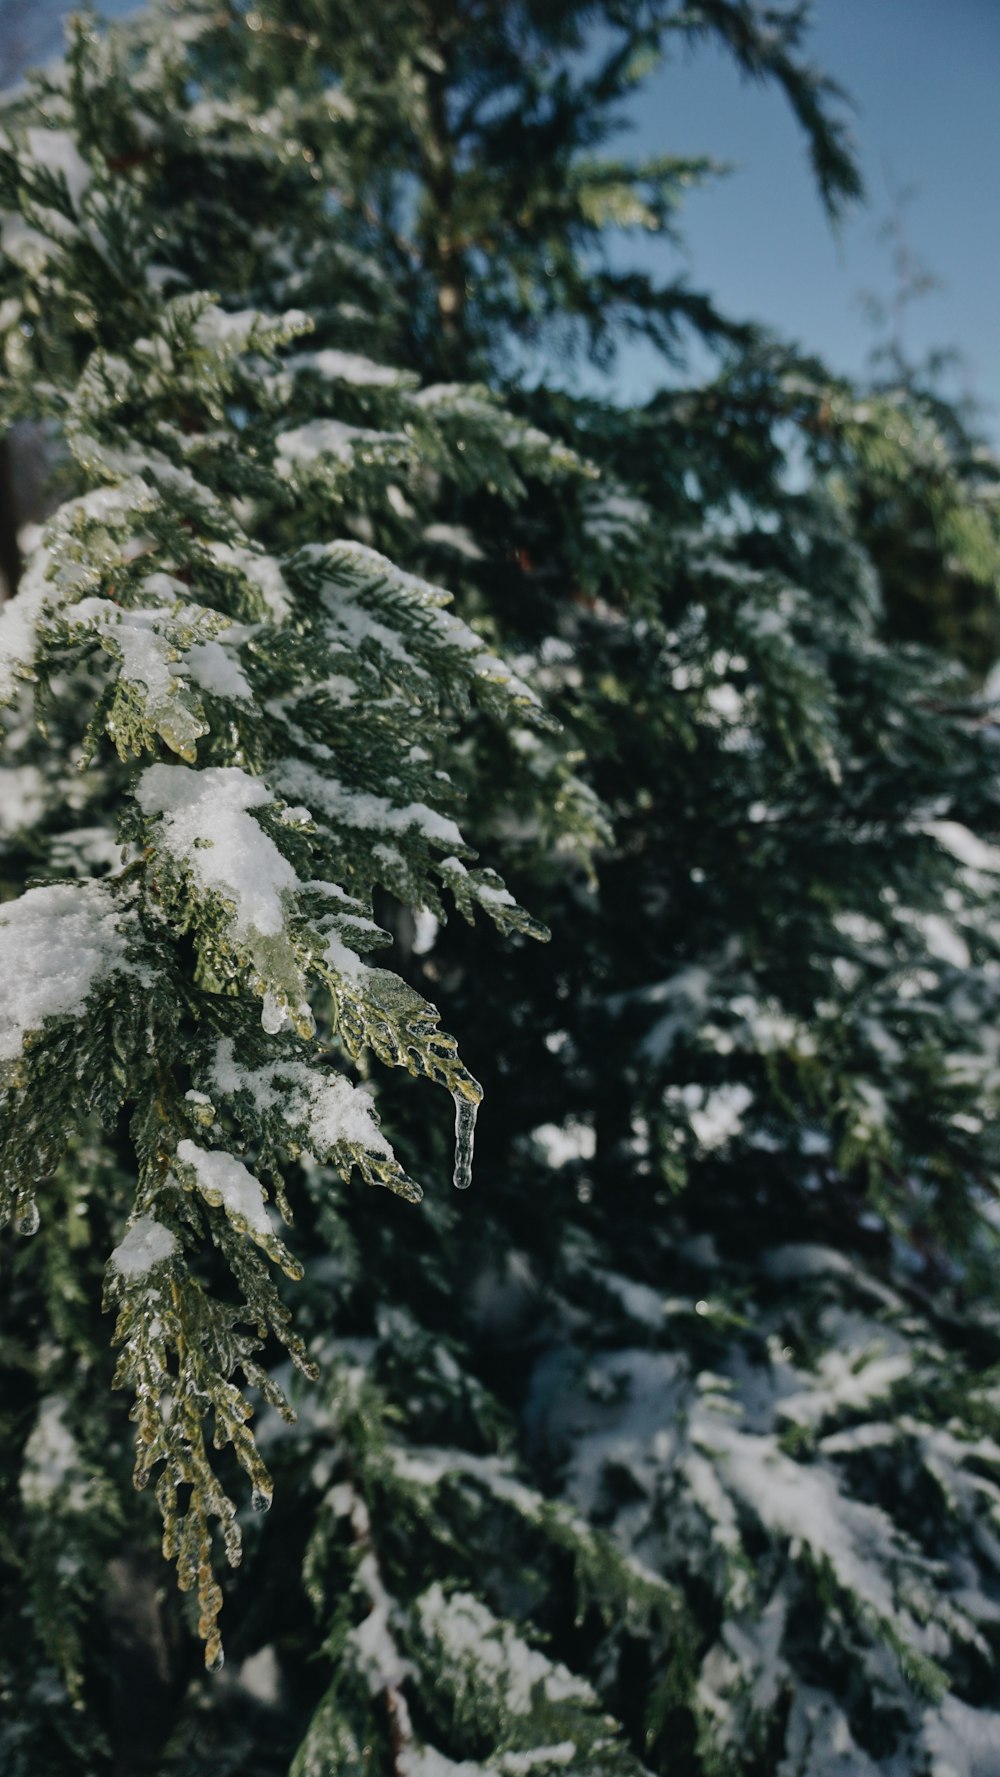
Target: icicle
{"type": "Point", "coordinates": [465, 1135]}
{"type": "Point", "coordinates": [260, 1499]}
{"type": "Point", "coordinates": [273, 1014]}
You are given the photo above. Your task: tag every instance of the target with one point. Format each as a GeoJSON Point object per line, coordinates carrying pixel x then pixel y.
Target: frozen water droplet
{"type": "Point", "coordinates": [26, 1217]}
{"type": "Point", "coordinates": [217, 1662]}
{"type": "Point", "coordinates": [273, 1014]}
{"type": "Point", "coordinates": [465, 1135]}
{"type": "Point", "coordinates": [260, 1499]}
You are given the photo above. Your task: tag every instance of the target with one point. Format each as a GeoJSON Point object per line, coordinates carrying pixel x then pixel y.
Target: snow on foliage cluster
{"type": "Point", "coordinates": [197, 641]}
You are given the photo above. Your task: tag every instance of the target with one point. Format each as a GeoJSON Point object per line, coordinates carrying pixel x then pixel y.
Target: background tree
{"type": "Point", "coordinates": [928, 594]}
{"type": "Point", "coordinates": [675, 1445]}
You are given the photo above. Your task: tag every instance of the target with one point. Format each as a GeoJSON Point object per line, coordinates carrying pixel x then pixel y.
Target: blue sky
{"type": "Point", "coordinates": [925, 76]}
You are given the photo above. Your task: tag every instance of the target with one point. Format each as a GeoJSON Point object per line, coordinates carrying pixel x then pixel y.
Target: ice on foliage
{"type": "Point", "coordinates": [798, 1260]}
{"type": "Point", "coordinates": [858, 927]}
{"type": "Point", "coordinates": [221, 1175]}
{"type": "Point", "coordinates": [426, 1761]}
{"type": "Point", "coordinates": [819, 1742]}
{"type": "Point", "coordinates": [726, 702]}
{"type": "Point", "coordinates": [342, 959]}
{"type": "Point", "coordinates": [518, 1764]}
{"type": "Point", "coordinates": [623, 1420]}
{"type": "Point", "coordinates": [425, 930]}
{"type": "Point", "coordinates": [378, 1655]}
{"type": "Point", "coordinates": [484, 891]}
{"type": "Point", "coordinates": [767, 1027]}
{"type": "Point", "coordinates": [871, 1109]}
{"type": "Point", "coordinates": [747, 1654]}
{"type": "Point", "coordinates": [117, 506]}
{"type": "Point", "coordinates": [943, 940]}
{"type": "Point", "coordinates": [56, 945]}
{"type": "Point", "coordinates": [146, 1244]}
{"type": "Point", "coordinates": [206, 825]}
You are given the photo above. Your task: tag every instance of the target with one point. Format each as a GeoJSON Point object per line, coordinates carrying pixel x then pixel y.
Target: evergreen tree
{"type": "Point", "coordinates": [675, 1446]}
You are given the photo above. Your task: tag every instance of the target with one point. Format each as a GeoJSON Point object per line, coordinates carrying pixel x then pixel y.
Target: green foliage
{"type": "Point", "coordinates": [674, 1448]}
{"type": "Point", "coordinates": [202, 677]}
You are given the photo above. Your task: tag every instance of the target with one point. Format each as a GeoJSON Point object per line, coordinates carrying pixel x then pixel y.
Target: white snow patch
{"type": "Point", "coordinates": [561, 1142]}
{"type": "Point", "coordinates": [263, 572]}
{"type": "Point", "coordinates": [471, 1637]}
{"type": "Point", "coordinates": [57, 152]}
{"type": "Point", "coordinates": [327, 1107]}
{"type": "Point", "coordinates": [456, 537]}
{"type": "Point", "coordinates": [847, 1380]}
{"type": "Point", "coordinates": [206, 826]}
{"type": "Point", "coordinates": [216, 669]}
{"type": "Point", "coordinates": [329, 438]}
{"type": "Point", "coordinates": [363, 809]}
{"type": "Point", "coordinates": [19, 619]}
{"type": "Point", "coordinates": [963, 1741]}
{"type": "Point", "coordinates": [234, 329]}
{"type": "Point", "coordinates": [347, 367]}
{"type": "Point", "coordinates": [714, 1113]}
{"type": "Point", "coordinates": [146, 1244]}
{"type": "Point", "coordinates": [260, 1676]}
{"type": "Point", "coordinates": [426, 1761]}
{"type": "Point", "coordinates": [147, 660]}
{"type": "Point", "coordinates": [50, 1456]}
{"type": "Point", "coordinates": [56, 945]}
{"type": "Point", "coordinates": [22, 797]}
{"type": "Point", "coordinates": [367, 565]}
{"type": "Point", "coordinates": [221, 1176]}
{"type": "Point", "coordinates": [964, 846]}
{"type": "Point", "coordinates": [514, 1764]}
{"type": "Point", "coordinates": [804, 1504]}
{"type": "Point", "coordinates": [425, 930]}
